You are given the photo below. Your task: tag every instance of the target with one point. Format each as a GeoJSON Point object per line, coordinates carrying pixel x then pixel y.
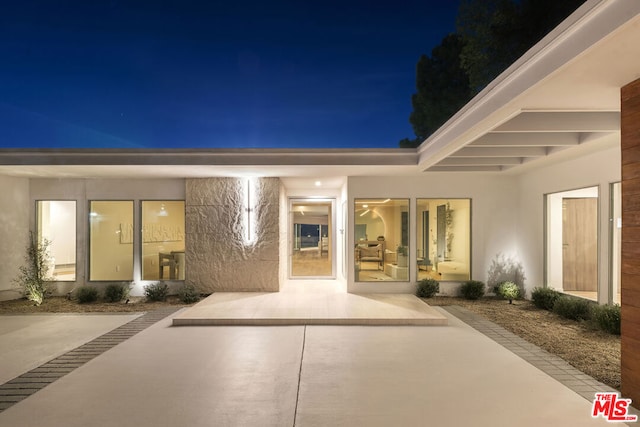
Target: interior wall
{"type": "Point", "coordinates": [110, 244]}
{"type": "Point", "coordinates": [162, 231]}
{"type": "Point", "coordinates": [14, 232]}
{"type": "Point", "coordinates": [494, 205]}
{"type": "Point", "coordinates": [599, 168]}
{"type": "Point", "coordinates": [63, 250]}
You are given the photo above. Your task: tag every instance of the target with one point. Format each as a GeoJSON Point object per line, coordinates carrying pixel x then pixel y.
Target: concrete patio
{"type": "Point", "coordinates": [314, 375]}
{"type": "Point", "coordinates": [318, 302]}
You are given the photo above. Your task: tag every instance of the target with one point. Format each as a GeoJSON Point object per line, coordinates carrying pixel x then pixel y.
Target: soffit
{"type": "Point", "coordinates": [556, 100]}
{"type": "Point", "coordinates": [296, 168]}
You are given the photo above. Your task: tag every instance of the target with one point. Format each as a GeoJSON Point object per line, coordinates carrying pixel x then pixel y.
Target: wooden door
{"type": "Point", "coordinates": [580, 244]}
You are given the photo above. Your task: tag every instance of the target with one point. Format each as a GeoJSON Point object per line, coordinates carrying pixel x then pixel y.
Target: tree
{"type": "Point", "coordinates": [498, 32]}
{"type": "Point", "coordinates": [442, 88]}
{"type": "Point", "coordinates": [490, 29]}
{"type": "Point", "coordinates": [491, 35]}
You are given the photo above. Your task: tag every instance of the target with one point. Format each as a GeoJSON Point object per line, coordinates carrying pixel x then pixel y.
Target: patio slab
{"type": "Point", "coordinates": [317, 305]}
{"type": "Point", "coordinates": [305, 376]}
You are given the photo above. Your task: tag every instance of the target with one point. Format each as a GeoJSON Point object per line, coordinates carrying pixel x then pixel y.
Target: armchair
{"type": "Point", "coordinates": [370, 251]}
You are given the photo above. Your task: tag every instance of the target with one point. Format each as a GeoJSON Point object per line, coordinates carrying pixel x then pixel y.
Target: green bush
{"type": "Point", "coordinates": [188, 294]}
{"type": "Point", "coordinates": [156, 291]}
{"type": "Point", "coordinates": [427, 288]}
{"type": "Point", "coordinates": [573, 308]}
{"type": "Point", "coordinates": [606, 318]}
{"type": "Point", "coordinates": [472, 289]}
{"type": "Point", "coordinates": [508, 290]}
{"type": "Point", "coordinates": [33, 277]}
{"type": "Point", "coordinates": [545, 298]}
{"type": "Point", "coordinates": [86, 294]}
{"type": "Point", "coordinates": [116, 293]}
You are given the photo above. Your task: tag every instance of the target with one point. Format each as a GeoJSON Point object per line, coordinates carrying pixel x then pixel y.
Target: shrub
{"type": "Point", "coordinates": [606, 318]}
{"type": "Point", "coordinates": [572, 308]}
{"type": "Point", "coordinates": [116, 293]}
{"type": "Point", "coordinates": [545, 298]}
{"type": "Point", "coordinates": [427, 288]}
{"type": "Point", "coordinates": [33, 275]}
{"type": "Point", "coordinates": [188, 294]}
{"type": "Point", "coordinates": [86, 294]}
{"type": "Point", "coordinates": [508, 290]}
{"type": "Point", "coordinates": [472, 289]}
{"type": "Point", "coordinates": [156, 291]}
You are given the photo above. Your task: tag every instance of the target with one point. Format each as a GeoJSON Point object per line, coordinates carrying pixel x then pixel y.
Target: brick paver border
{"type": "Point", "coordinates": [554, 366]}
{"type": "Point", "coordinates": [36, 379]}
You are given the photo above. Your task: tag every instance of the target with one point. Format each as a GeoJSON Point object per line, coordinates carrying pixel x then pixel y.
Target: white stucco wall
{"type": "Point", "coordinates": [494, 211]}
{"type": "Point", "coordinates": [507, 215]}
{"type": "Point", "coordinates": [600, 168]}
{"type": "Point", "coordinates": [14, 232]}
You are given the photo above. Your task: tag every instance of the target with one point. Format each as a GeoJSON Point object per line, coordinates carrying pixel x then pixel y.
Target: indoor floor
{"type": "Point", "coordinates": [310, 263]}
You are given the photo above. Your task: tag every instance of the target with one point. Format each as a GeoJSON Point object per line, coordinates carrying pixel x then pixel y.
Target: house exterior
{"type": "Point", "coordinates": [523, 182]}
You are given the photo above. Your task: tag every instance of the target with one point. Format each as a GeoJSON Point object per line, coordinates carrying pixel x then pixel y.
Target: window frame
{"type": "Point", "coordinates": [141, 234]}
{"type": "Point", "coordinates": [89, 241]}
{"type": "Point", "coordinates": [75, 240]}
{"type": "Point", "coordinates": [400, 232]}
{"type": "Point", "coordinates": [468, 250]}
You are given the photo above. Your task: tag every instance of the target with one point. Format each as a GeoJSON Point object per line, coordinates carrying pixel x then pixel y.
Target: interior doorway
{"type": "Point", "coordinates": [311, 238]}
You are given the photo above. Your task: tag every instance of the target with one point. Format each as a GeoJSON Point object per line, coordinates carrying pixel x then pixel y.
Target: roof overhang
{"type": "Point", "coordinates": [562, 94]}
{"type": "Point", "coordinates": [100, 163]}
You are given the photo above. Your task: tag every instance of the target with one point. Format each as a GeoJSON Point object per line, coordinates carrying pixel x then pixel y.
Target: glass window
{"type": "Point", "coordinates": [163, 240]}
{"type": "Point", "coordinates": [443, 237]}
{"type": "Point", "coordinates": [56, 223]}
{"type": "Point", "coordinates": [572, 242]}
{"type": "Point", "coordinates": [381, 240]}
{"type": "Point", "coordinates": [111, 240]}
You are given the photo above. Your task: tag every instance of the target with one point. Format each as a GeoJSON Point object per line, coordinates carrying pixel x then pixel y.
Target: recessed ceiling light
{"type": "Point", "coordinates": [318, 183]}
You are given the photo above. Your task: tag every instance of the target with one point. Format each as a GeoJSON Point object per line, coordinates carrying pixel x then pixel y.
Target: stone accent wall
{"type": "Point", "coordinates": [217, 255]}
{"type": "Point", "coordinates": [630, 292]}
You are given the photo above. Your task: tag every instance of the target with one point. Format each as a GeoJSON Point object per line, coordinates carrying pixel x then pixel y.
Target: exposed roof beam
{"type": "Point", "coordinates": [480, 161]}
{"type": "Point", "coordinates": [501, 152]}
{"type": "Point", "coordinates": [465, 169]}
{"type": "Point", "coordinates": [527, 140]}
{"type": "Point", "coordinates": [587, 27]}
{"type": "Point", "coordinates": [562, 122]}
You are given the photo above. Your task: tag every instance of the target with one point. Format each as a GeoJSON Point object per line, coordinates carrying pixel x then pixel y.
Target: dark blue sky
{"type": "Point", "coordinates": [198, 74]}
